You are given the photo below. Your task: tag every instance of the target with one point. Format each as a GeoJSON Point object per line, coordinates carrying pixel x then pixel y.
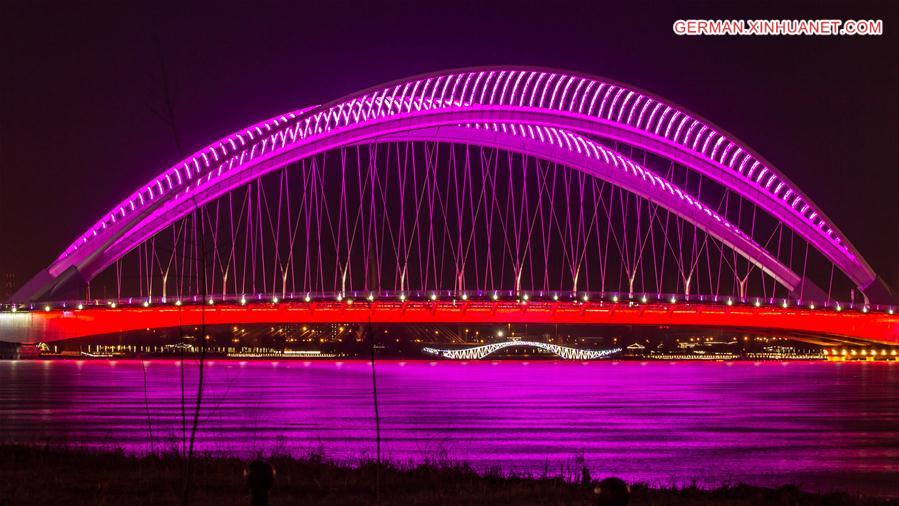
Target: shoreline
{"type": "Point", "coordinates": [62, 474]}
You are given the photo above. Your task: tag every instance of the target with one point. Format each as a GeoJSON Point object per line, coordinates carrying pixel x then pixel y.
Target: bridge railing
{"type": "Point", "coordinates": [523, 297]}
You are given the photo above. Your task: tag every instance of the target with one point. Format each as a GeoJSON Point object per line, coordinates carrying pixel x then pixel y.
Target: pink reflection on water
{"type": "Point", "coordinates": [816, 424]}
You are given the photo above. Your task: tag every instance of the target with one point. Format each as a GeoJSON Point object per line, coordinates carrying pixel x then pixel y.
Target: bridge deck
{"type": "Point", "coordinates": [61, 324]}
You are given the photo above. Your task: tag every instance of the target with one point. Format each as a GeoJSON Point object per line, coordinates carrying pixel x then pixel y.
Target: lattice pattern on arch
{"type": "Point", "coordinates": [480, 352]}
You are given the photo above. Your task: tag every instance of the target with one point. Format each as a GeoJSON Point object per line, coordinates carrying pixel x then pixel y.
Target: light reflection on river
{"type": "Point", "coordinates": [819, 425]}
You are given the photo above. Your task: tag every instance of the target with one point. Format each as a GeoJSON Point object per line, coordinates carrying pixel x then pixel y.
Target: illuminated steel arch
{"type": "Point", "coordinates": [546, 113]}
{"type": "Point", "coordinates": [480, 352]}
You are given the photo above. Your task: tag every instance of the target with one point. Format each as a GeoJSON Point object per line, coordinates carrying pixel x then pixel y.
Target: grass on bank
{"type": "Point", "coordinates": [71, 476]}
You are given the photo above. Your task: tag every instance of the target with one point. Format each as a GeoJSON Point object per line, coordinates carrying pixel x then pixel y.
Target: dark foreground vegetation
{"type": "Point", "coordinates": [60, 475]}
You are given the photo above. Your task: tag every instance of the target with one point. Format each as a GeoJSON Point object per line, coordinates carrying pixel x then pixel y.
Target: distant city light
{"type": "Point", "coordinates": [80, 306]}
{"type": "Point", "coordinates": [46, 308]}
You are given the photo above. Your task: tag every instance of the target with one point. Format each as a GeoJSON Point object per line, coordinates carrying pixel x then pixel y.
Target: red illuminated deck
{"type": "Point", "coordinates": [56, 324]}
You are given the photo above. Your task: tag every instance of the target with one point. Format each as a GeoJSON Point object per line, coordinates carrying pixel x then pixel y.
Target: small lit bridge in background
{"type": "Point", "coordinates": [483, 351]}
{"type": "Point", "coordinates": [540, 193]}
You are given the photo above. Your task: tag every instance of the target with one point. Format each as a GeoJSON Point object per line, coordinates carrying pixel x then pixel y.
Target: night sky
{"type": "Point", "coordinates": [79, 86]}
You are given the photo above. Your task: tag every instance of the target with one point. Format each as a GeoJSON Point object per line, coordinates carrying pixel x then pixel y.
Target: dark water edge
{"type": "Point", "coordinates": [53, 474]}
{"type": "Point", "coordinates": [820, 426]}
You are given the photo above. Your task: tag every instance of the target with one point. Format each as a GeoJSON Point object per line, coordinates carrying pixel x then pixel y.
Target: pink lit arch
{"type": "Point", "coordinates": [540, 112]}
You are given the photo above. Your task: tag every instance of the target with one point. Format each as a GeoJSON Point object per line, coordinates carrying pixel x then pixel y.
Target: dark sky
{"type": "Point", "coordinates": [78, 83]}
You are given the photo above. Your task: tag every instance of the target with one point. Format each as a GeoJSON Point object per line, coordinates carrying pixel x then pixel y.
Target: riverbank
{"type": "Point", "coordinates": [71, 476]}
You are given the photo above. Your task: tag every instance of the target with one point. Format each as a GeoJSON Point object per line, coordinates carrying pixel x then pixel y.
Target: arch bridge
{"type": "Point", "coordinates": [480, 352]}
{"type": "Point", "coordinates": [520, 181]}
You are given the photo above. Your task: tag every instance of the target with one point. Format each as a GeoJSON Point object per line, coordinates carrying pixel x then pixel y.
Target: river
{"type": "Point", "coordinates": [819, 425]}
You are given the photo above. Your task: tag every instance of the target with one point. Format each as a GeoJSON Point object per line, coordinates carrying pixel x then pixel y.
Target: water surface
{"type": "Point", "coordinates": [819, 425]}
